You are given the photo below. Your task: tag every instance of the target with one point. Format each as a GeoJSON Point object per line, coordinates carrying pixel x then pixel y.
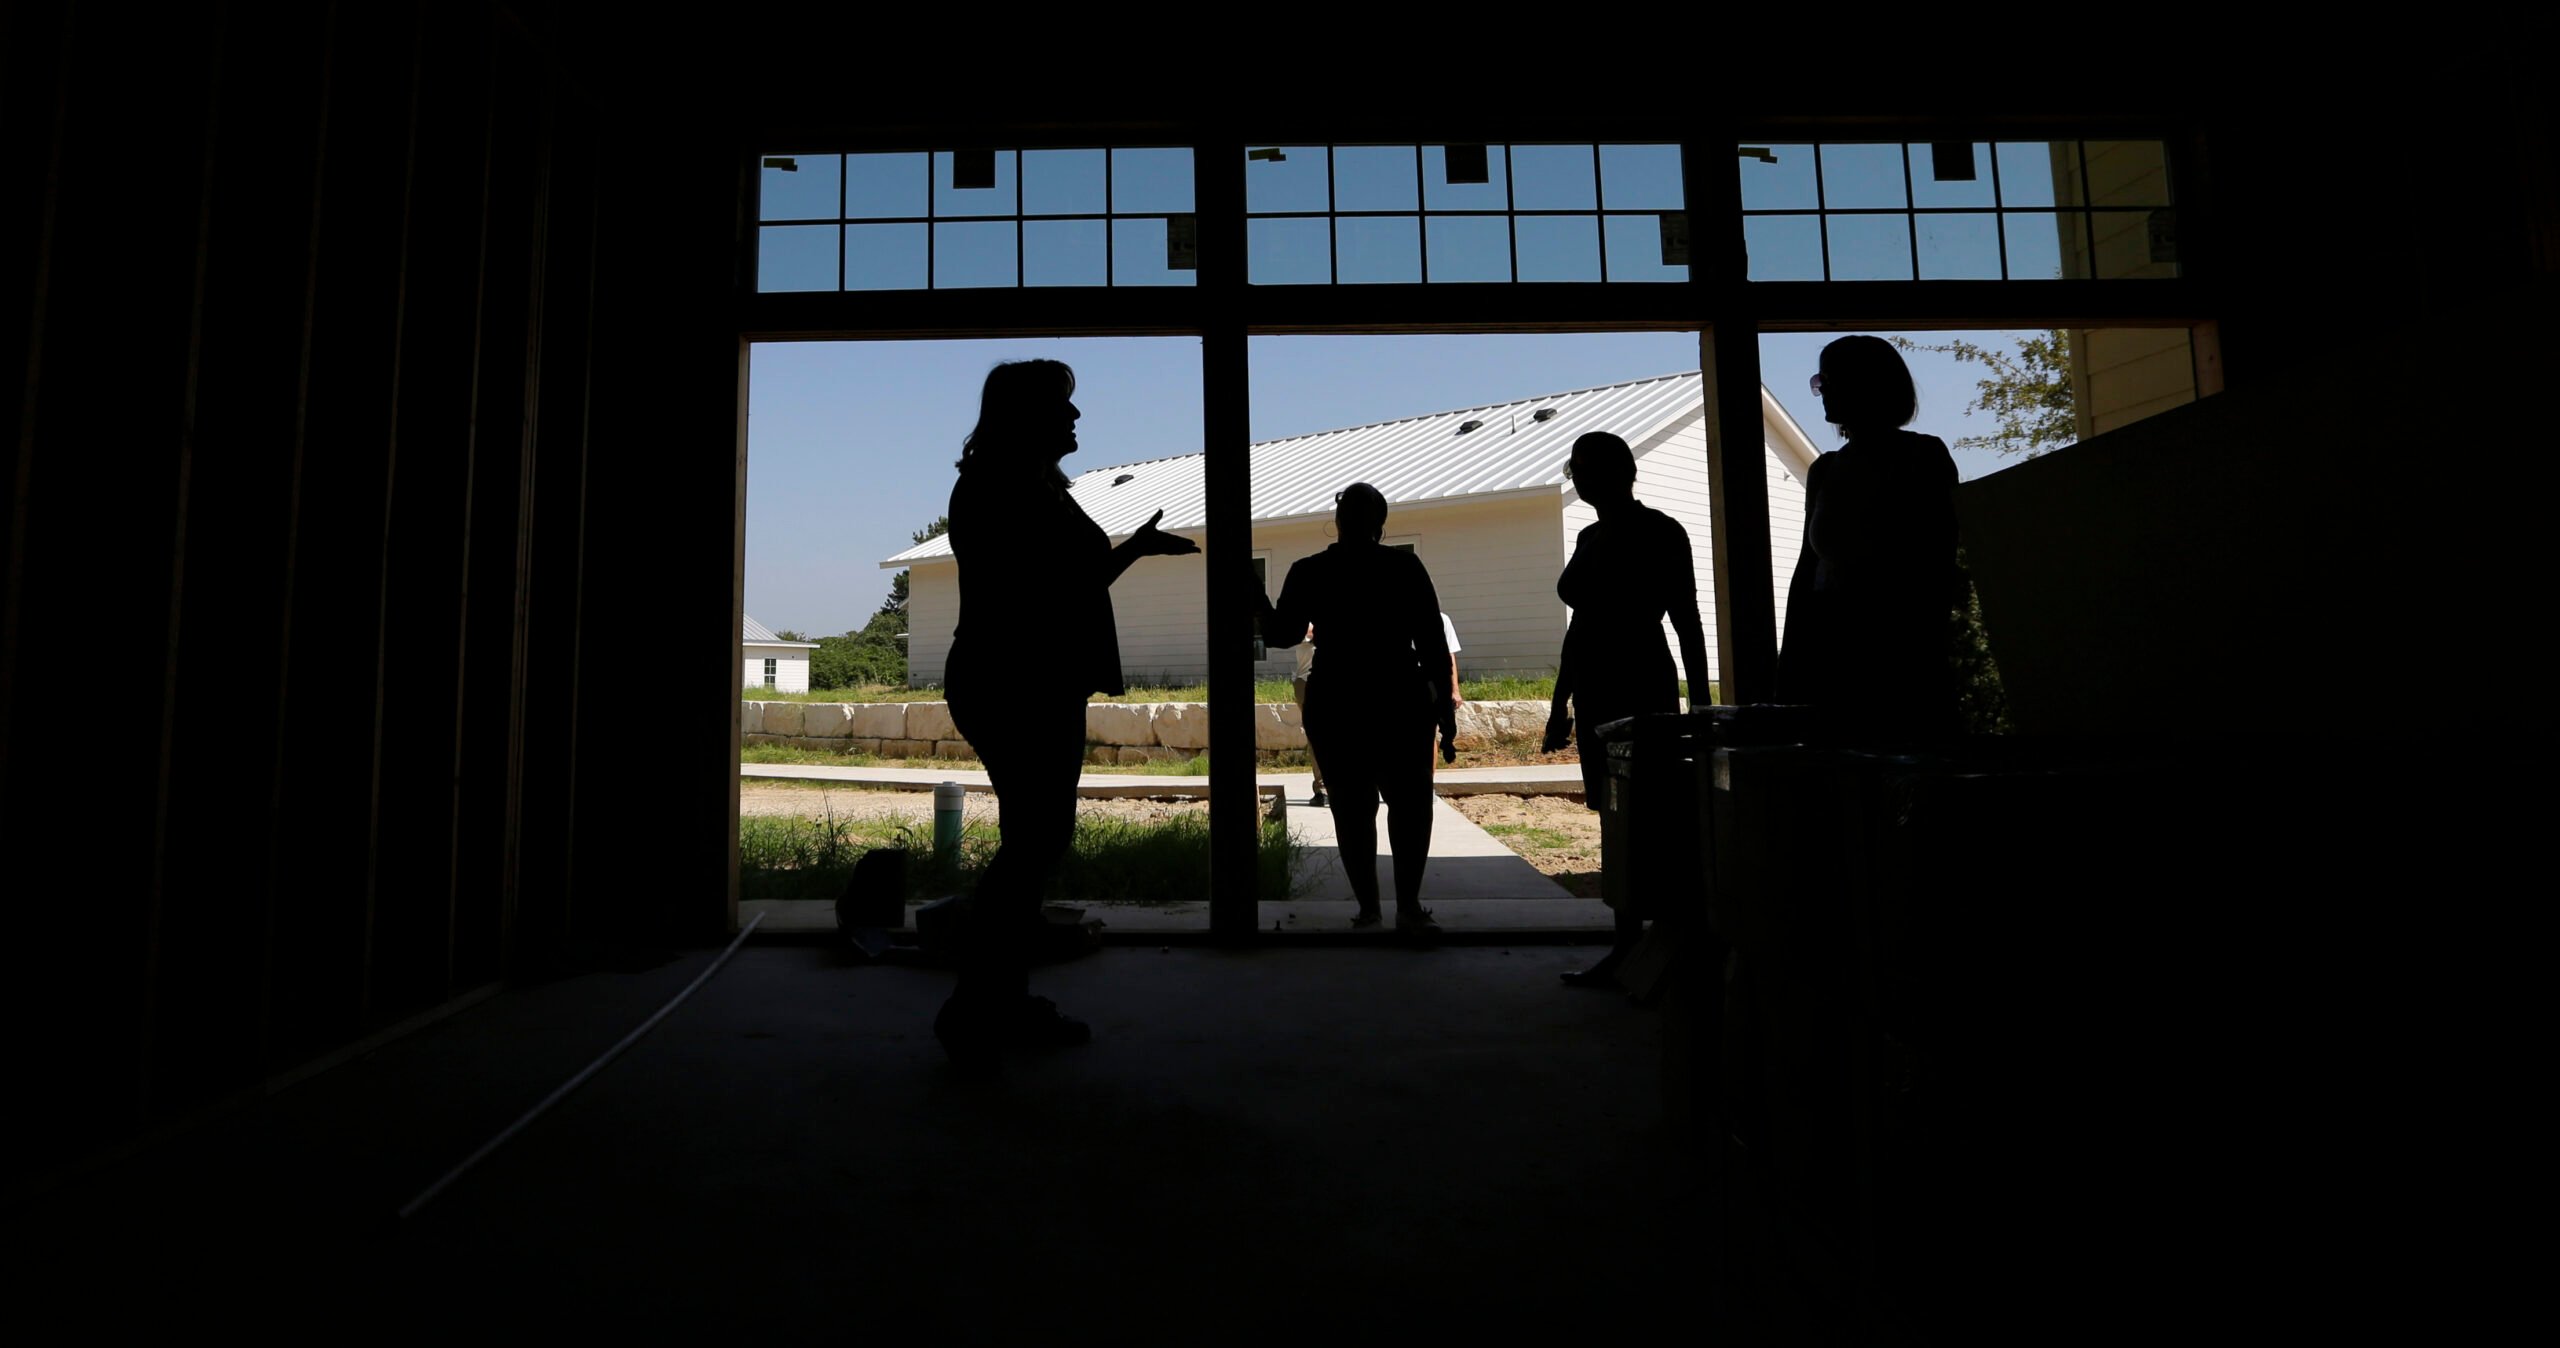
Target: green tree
{"type": "Point", "coordinates": [2028, 395]}
{"type": "Point", "coordinates": [2028, 392]}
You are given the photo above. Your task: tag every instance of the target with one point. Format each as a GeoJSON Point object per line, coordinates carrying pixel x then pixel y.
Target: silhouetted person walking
{"type": "Point", "coordinates": [1376, 694]}
{"type": "Point", "coordinates": [1871, 607]}
{"type": "Point", "coordinates": [1035, 574]}
{"type": "Point", "coordinates": [1630, 569]}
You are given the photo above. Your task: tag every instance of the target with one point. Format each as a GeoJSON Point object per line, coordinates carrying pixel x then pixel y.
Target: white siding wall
{"type": "Point", "coordinates": [933, 609]}
{"type": "Point", "coordinates": [790, 670]}
{"type": "Point", "coordinates": [1161, 607]}
{"type": "Point", "coordinates": [1671, 476]}
{"type": "Point", "coordinates": [1494, 564]}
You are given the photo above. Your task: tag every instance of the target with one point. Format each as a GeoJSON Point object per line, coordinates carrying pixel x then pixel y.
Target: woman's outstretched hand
{"type": "Point", "coordinates": [1153, 542]}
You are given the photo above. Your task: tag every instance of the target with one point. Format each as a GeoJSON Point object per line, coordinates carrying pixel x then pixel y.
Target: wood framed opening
{"type": "Point", "coordinates": [1716, 296]}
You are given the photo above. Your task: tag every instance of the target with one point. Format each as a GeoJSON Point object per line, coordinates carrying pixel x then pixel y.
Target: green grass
{"type": "Point", "coordinates": [1112, 859]}
{"type": "Point", "coordinates": [793, 753]}
{"type": "Point", "coordinates": [1531, 834]}
{"type": "Point", "coordinates": [1275, 760]}
{"type": "Point", "coordinates": [1492, 688]}
{"type": "Point", "coordinates": [878, 692]}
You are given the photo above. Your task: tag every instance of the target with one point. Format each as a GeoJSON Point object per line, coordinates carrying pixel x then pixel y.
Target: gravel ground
{"type": "Point", "coordinates": [1558, 835]}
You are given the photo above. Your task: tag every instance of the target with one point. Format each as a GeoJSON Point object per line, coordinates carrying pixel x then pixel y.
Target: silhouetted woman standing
{"type": "Point", "coordinates": [1631, 569]}
{"type": "Point", "coordinates": [1034, 642]}
{"type": "Point", "coordinates": [1871, 608]}
{"type": "Point", "coordinates": [1378, 690]}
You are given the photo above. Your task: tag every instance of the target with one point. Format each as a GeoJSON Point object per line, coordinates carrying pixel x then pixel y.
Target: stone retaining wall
{"type": "Point", "coordinates": [1114, 732]}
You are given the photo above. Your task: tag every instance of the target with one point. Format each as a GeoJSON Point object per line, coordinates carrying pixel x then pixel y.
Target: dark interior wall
{"type": "Point", "coordinates": [2350, 539]}
{"type": "Point", "coordinates": [346, 346]}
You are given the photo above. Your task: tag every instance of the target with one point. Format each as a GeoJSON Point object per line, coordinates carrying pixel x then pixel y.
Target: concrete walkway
{"type": "Point", "coordinates": [1475, 885]}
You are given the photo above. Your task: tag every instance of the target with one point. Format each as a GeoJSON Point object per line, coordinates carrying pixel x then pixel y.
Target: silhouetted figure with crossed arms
{"type": "Point", "coordinates": [1630, 569]}
{"type": "Point", "coordinates": [1035, 571]}
{"type": "Point", "coordinates": [1378, 691]}
{"type": "Point", "coordinates": [1871, 608]}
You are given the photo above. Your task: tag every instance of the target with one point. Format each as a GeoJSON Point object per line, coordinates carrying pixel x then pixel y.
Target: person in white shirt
{"type": "Point", "coordinates": [1298, 684]}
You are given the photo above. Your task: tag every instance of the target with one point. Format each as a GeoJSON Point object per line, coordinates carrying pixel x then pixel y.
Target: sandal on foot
{"type": "Point", "coordinates": [1416, 919]}
{"type": "Point", "coordinates": [1366, 917]}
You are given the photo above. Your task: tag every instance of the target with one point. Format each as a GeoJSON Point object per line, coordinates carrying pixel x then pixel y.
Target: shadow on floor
{"type": "Point", "coordinates": [1257, 1143]}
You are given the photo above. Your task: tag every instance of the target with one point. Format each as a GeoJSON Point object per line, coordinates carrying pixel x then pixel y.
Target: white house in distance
{"type": "Point", "coordinates": [775, 664]}
{"type": "Point", "coordinates": [1479, 494]}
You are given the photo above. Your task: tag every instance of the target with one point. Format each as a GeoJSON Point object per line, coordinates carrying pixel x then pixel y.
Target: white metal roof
{"type": "Point", "coordinates": [760, 635]}
{"type": "Point", "coordinates": [1415, 460]}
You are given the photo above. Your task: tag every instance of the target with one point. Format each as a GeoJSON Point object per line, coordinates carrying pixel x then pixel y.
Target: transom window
{"type": "Point", "coordinates": [1413, 214]}
{"type": "Point", "coordinates": [972, 219]}
{"type": "Point", "coordinates": [1959, 211]}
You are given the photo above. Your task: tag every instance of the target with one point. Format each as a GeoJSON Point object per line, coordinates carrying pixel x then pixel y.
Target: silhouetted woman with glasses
{"type": "Point", "coordinates": [1378, 690]}
{"type": "Point", "coordinates": [1035, 574]}
{"type": "Point", "coordinates": [1871, 609]}
{"type": "Point", "coordinates": [1631, 569]}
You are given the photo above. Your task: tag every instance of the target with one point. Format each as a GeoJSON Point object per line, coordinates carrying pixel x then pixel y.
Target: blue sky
{"type": "Point", "coordinates": [850, 444]}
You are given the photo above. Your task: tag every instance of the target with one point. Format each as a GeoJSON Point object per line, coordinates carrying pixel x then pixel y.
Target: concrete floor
{"type": "Point", "coordinates": [1258, 1144]}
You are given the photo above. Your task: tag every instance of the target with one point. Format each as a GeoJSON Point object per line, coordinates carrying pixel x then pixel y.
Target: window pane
{"type": "Point", "coordinates": [796, 257]}
{"type": "Point", "coordinates": [1151, 180]}
{"type": "Point", "coordinates": [951, 201]}
{"type": "Point", "coordinates": [1470, 248]}
{"type": "Point", "coordinates": [1063, 182]}
{"type": "Point", "coordinates": [1858, 176]}
{"type": "Point", "coordinates": [1557, 247]}
{"type": "Point", "coordinates": [2026, 174]}
{"type": "Point", "coordinates": [1635, 249]}
{"type": "Point", "coordinates": [1959, 247]}
{"type": "Point", "coordinates": [2127, 172]}
{"type": "Point", "coordinates": [2133, 244]}
{"type": "Point", "coordinates": [1870, 247]}
{"type": "Point", "coordinates": [1289, 252]}
{"type": "Point", "coordinates": [1927, 190]}
{"type": "Point", "coordinates": [1783, 247]}
{"type": "Point", "coordinates": [972, 255]}
{"type": "Point", "coordinates": [805, 191]}
{"type": "Point", "coordinates": [1553, 178]}
{"type": "Point", "coordinates": [1374, 178]}
{"type": "Point", "coordinates": [2035, 242]}
{"type": "Point", "coordinates": [1064, 252]}
{"type": "Point", "coordinates": [1786, 185]}
{"type": "Point", "coordinates": [1138, 256]}
{"type": "Point", "coordinates": [1294, 182]}
{"type": "Point", "coordinates": [1640, 178]}
{"type": "Point", "coordinates": [884, 257]}
{"type": "Point", "coordinates": [1440, 194]}
{"type": "Point", "coordinates": [886, 184]}
{"type": "Point", "coordinates": [1379, 250]}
